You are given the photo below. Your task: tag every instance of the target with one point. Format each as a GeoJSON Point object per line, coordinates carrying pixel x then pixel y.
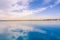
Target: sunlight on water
{"type": "Point", "coordinates": [29, 30]}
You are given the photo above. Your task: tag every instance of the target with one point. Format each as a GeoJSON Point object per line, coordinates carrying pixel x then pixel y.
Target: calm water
{"type": "Point", "coordinates": [29, 30]}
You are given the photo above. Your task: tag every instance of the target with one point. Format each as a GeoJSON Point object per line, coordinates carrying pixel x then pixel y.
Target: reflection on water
{"type": "Point", "coordinates": [29, 30]}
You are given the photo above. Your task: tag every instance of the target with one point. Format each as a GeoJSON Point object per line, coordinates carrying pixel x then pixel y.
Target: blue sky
{"type": "Point", "coordinates": [29, 9]}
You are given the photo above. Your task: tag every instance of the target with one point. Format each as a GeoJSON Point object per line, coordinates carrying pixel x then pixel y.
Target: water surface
{"type": "Point", "coordinates": [29, 30]}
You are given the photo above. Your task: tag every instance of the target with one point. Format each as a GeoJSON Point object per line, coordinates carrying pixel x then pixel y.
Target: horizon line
{"type": "Point", "coordinates": [35, 20]}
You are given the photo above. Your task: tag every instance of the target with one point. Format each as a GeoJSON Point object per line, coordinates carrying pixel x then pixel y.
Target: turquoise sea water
{"type": "Point", "coordinates": [29, 30]}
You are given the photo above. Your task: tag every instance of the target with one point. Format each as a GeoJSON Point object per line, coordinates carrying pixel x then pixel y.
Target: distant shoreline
{"type": "Point", "coordinates": [34, 20]}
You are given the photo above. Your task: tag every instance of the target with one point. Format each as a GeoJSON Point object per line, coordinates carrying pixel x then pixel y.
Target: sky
{"type": "Point", "coordinates": [29, 9]}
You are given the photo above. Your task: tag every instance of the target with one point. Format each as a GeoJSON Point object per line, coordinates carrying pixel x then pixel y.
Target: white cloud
{"type": "Point", "coordinates": [46, 1]}
{"type": "Point", "coordinates": [56, 3]}
{"type": "Point", "coordinates": [8, 6]}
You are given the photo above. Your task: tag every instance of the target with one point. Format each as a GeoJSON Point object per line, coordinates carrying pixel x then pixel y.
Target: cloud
{"type": "Point", "coordinates": [55, 3]}
{"type": "Point", "coordinates": [8, 6]}
{"type": "Point", "coordinates": [46, 1]}
{"type": "Point", "coordinates": [58, 1]}
{"type": "Point", "coordinates": [18, 9]}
